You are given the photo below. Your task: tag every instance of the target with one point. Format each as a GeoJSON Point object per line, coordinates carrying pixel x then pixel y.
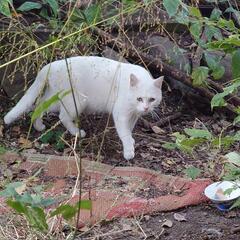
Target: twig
{"type": "Point", "coordinates": [139, 226]}
{"type": "Point", "coordinates": [162, 121]}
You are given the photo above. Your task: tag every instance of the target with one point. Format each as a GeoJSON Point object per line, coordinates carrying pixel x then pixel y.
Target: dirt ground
{"type": "Point", "coordinates": [201, 222]}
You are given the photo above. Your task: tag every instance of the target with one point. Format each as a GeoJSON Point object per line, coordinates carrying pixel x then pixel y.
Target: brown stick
{"type": "Point", "coordinates": [161, 122]}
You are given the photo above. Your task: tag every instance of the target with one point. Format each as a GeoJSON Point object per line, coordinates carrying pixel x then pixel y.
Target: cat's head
{"type": "Point", "coordinates": [145, 93]}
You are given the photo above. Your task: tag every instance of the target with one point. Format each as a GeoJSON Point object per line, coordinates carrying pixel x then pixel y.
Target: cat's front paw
{"type": "Point", "coordinates": [128, 155]}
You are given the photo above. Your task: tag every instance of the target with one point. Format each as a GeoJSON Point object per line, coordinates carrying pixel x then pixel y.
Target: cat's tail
{"type": "Point", "coordinates": [26, 102]}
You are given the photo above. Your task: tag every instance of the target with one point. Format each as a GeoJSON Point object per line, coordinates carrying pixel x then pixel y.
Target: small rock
{"type": "Point", "coordinates": [179, 217]}
{"type": "Point", "coordinates": [212, 232]}
{"type": "Point", "coordinates": [146, 217]}
{"type": "Point", "coordinates": [167, 223]}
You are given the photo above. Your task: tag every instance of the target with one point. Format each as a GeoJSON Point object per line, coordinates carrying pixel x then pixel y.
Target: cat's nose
{"type": "Point", "coordinates": [146, 109]}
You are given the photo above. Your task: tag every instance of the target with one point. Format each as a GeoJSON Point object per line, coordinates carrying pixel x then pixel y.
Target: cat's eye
{"type": "Point", "coordinates": [139, 99]}
{"type": "Point", "coordinates": [152, 99]}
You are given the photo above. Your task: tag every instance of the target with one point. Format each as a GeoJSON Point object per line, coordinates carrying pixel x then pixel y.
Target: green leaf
{"type": "Point", "coordinates": [189, 144]}
{"type": "Point", "coordinates": [198, 133]}
{"type": "Point", "coordinates": [36, 218]}
{"type": "Point", "coordinates": [229, 191]}
{"type": "Point", "coordinates": [44, 13]}
{"type": "Point", "coordinates": [171, 6]}
{"type": "Point", "coordinates": [53, 5]}
{"type": "Point", "coordinates": [17, 206]}
{"type": "Point", "coordinates": [84, 204]}
{"type": "Point", "coordinates": [10, 190]}
{"type": "Point", "coordinates": [42, 107]}
{"type": "Point", "coordinates": [48, 137]}
{"type": "Point", "coordinates": [67, 211]}
{"type": "Point", "coordinates": [228, 45]}
{"type": "Point", "coordinates": [227, 24]}
{"type": "Point", "coordinates": [4, 7]}
{"type": "Point", "coordinates": [236, 137]}
{"type": "Point", "coordinates": [196, 29]}
{"type": "Point", "coordinates": [169, 146]}
{"type": "Point", "coordinates": [179, 137]}
{"type": "Point", "coordinates": [234, 158]}
{"type": "Point", "coordinates": [236, 64]}
{"type": "Point", "coordinates": [218, 99]}
{"type": "Point", "coordinates": [225, 142]}
{"type": "Point", "coordinates": [236, 204]}
{"type": "Point", "coordinates": [218, 72]}
{"type": "Point", "coordinates": [215, 15]}
{"type": "Point", "coordinates": [213, 63]}
{"type": "Point", "coordinates": [195, 12]}
{"type": "Point", "coordinates": [192, 172]}
{"type": "Point", "coordinates": [199, 75]}
{"type": "Point", "coordinates": [27, 6]}
{"type": "Point", "coordinates": [2, 150]}
{"type": "Point", "coordinates": [92, 14]}
{"type": "Point", "coordinates": [211, 31]}
{"type": "Point", "coordinates": [236, 120]}
{"type": "Point", "coordinates": [59, 145]}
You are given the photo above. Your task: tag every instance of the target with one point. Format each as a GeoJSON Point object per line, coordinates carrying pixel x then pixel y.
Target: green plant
{"type": "Point", "coordinates": [43, 6]}
{"type": "Point", "coordinates": [192, 138]}
{"type": "Point", "coordinates": [32, 205]}
{"type": "Point", "coordinates": [208, 35]}
{"type": "Point", "coordinates": [54, 137]}
{"type": "Point", "coordinates": [232, 173]}
{"type": "Point", "coordinates": [29, 205]}
{"type": "Point", "coordinates": [192, 172]}
{"type": "Point", "coordinates": [2, 149]}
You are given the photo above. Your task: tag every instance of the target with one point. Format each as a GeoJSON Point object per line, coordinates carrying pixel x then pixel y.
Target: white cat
{"type": "Point", "coordinates": [100, 85]}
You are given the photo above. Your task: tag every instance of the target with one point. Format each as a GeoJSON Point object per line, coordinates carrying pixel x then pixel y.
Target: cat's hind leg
{"type": "Point", "coordinates": [68, 123]}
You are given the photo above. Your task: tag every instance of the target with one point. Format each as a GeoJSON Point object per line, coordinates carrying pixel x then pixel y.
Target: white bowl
{"type": "Point", "coordinates": [215, 191]}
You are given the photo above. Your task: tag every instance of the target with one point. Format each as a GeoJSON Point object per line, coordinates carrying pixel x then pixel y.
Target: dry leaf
{"type": "Point", "coordinates": [84, 229]}
{"type": "Point", "coordinates": [167, 223]}
{"type": "Point", "coordinates": [25, 143]}
{"type": "Point", "coordinates": [179, 217]}
{"type": "Point", "coordinates": [157, 130]}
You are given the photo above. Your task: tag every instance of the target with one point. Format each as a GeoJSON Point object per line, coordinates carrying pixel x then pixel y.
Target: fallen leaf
{"type": "Point", "coordinates": [84, 229]}
{"type": "Point", "coordinates": [167, 223]}
{"type": "Point", "coordinates": [25, 143]}
{"type": "Point", "coordinates": [179, 217]}
{"type": "Point", "coordinates": [157, 130]}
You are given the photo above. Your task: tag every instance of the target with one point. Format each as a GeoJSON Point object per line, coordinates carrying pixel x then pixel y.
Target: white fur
{"type": "Point", "coordinates": [100, 85]}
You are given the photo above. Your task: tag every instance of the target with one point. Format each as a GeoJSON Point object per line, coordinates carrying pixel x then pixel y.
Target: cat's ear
{"type": "Point", "coordinates": [158, 82]}
{"type": "Point", "coordinates": [133, 80]}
